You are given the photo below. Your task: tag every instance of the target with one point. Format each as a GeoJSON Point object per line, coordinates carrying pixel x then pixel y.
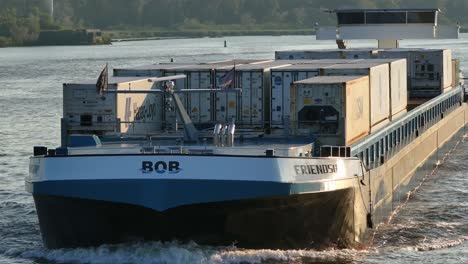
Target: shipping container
{"type": "Point", "coordinates": [332, 61]}
{"type": "Point", "coordinates": [429, 70]}
{"type": "Point", "coordinates": [334, 109]}
{"type": "Point", "coordinates": [281, 80]}
{"type": "Point", "coordinates": [198, 105]}
{"type": "Point", "coordinates": [455, 72]}
{"type": "Point", "coordinates": [85, 109]}
{"type": "Point", "coordinates": [326, 54]}
{"type": "Point", "coordinates": [153, 70]}
{"type": "Point", "coordinates": [399, 115]}
{"type": "Point", "coordinates": [157, 70]}
{"type": "Point", "coordinates": [379, 85]}
{"type": "Point", "coordinates": [254, 100]}
{"type": "Point", "coordinates": [398, 83]}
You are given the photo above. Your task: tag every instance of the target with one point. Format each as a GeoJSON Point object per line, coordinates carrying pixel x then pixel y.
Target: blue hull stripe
{"type": "Point", "coordinates": [164, 194]}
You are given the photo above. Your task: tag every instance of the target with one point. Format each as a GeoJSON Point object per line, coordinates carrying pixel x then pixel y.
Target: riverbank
{"type": "Point", "coordinates": [156, 34]}
{"type": "Point", "coordinates": [132, 35]}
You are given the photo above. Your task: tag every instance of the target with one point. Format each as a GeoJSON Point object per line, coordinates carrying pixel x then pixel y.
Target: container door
{"type": "Point", "coordinates": [257, 97]}
{"type": "Point", "coordinates": [221, 98]}
{"type": "Point", "coordinates": [194, 98]}
{"type": "Point", "coordinates": [205, 98]}
{"type": "Point", "coordinates": [246, 97]}
{"type": "Point", "coordinates": [277, 97]}
{"type": "Point", "coordinates": [232, 99]}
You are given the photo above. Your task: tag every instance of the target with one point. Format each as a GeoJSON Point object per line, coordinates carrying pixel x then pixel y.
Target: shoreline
{"type": "Point", "coordinates": [128, 35]}
{"type": "Point", "coordinates": [131, 35]}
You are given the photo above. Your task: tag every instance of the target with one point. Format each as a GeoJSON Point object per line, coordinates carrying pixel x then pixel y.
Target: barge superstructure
{"type": "Point", "coordinates": [228, 152]}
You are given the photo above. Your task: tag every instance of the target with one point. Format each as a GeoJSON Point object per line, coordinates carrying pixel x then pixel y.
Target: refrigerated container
{"type": "Point", "coordinates": [379, 85]}
{"type": "Point", "coordinates": [254, 100]}
{"type": "Point", "coordinates": [198, 105]}
{"type": "Point", "coordinates": [333, 109]}
{"type": "Point", "coordinates": [455, 72]}
{"type": "Point", "coordinates": [398, 83]}
{"type": "Point", "coordinates": [153, 70]}
{"type": "Point", "coordinates": [85, 110]}
{"type": "Point", "coordinates": [429, 70]}
{"type": "Point", "coordinates": [157, 70]}
{"type": "Point", "coordinates": [326, 54]}
{"type": "Point", "coordinates": [281, 80]}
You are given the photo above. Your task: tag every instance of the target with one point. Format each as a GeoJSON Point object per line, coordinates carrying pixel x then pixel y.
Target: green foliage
{"type": "Point", "coordinates": [187, 14]}
{"type": "Point", "coordinates": [23, 26]}
{"type": "Point", "coordinates": [4, 42]}
{"type": "Point", "coordinates": [21, 20]}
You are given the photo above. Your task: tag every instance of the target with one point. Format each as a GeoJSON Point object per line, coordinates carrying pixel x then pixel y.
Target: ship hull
{"type": "Point", "coordinates": [311, 220]}
{"type": "Point", "coordinates": [82, 200]}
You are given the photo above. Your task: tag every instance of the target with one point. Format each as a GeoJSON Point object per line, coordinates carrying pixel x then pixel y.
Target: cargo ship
{"type": "Point", "coordinates": [309, 150]}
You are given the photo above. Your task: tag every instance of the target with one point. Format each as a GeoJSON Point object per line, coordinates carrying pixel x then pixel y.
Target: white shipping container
{"type": "Point", "coordinates": [326, 54]}
{"type": "Point", "coordinates": [429, 70]}
{"type": "Point", "coordinates": [157, 70]}
{"type": "Point", "coordinates": [335, 109]}
{"type": "Point", "coordinates": [84, 109]}
{"type": "Point", "coordinates": [140, 114]}
{"type": "Point", "coordinates": [398, 83]}
{"type": "Point", "coordinates": [379, 85]}
{"type": "Point", "coordinates": [254, 80]}
{"type": "Point", "coordinates": [153, 70]}
{"type": "Point", "coordinates": [281, 80]}
{"type": "Point", "coordinates": [198, 105]}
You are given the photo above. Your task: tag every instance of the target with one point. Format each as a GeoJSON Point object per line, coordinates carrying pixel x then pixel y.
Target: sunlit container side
{"type": "Point", "coordinates": [455, 72]}
{"type": "Point", "coordinates": [326, 54]}
{"type": "Point", "coordinates": [334, 109]}
{"type": "Point", "coordinates": [153, 70]}
{"type": "Point", "coordinates": [86, 111]}
{"type": "Point", "coordinates": [254, 80]}
{"type": "Point", "coordinates": [281, 80]}
{"type": "Point", "coordinates": [379, 85]}
{"type": "Point", "coordinates": [139, 114]}
{"type": "Point", "coordinates": [429, 70]}
{"type": "Point", "coordinates": [320, 61]}
{"type": "Point", "coordinates": [398, 84]}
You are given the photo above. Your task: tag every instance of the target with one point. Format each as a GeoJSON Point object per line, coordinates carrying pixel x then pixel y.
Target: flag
{"type": "Point", "coordinates": [102, 81]}
{"type": "Point", "coordinates": [228, 79]}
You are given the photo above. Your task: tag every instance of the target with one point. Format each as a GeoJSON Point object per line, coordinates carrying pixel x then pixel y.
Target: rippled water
{"type": "Point", "coordinates": [431, 228]}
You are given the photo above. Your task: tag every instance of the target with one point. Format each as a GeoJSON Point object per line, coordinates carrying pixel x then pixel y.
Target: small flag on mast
{"type": "Point", "coordinates": [102, 81]}
{"type": "Point", "coordinates": [228, 79]}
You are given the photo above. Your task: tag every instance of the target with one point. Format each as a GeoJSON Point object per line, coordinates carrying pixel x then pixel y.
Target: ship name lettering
{"type": "Point", "coordinates": [315, 169]}
{"type": "Point", "coordinates": [161, 166]}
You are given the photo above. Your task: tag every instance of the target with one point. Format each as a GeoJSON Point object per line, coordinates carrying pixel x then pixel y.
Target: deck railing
{"type": "Point", "coordinates": [375, 149]}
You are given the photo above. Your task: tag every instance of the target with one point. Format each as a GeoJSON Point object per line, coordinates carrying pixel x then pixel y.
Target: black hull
{"type": "Point", "coordinates": [312, 220]}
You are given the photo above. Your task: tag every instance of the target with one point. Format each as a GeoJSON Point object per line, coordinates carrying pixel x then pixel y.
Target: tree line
{"type": "Point", "coordinates": [175, 13]}
{"type": "Point", "coordinates": [21, 20]}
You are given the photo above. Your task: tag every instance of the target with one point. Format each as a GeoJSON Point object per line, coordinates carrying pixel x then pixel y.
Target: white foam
{"type": "Point", "coordinates": [438, 244]}
{"type": "Point", "coordinates": [174, 252]}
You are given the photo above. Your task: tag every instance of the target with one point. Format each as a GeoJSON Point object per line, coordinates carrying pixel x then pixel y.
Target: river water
{"type": "Point", "coordinates": [431, 228]}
